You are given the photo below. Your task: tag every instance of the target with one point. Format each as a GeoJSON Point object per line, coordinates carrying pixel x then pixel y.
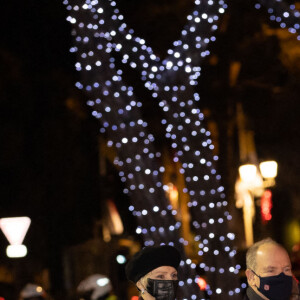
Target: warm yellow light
{"type": "Point", "coordinates": [247, 173]}
{"type": "Point", "coordinates": [268, 169]}
{"type": "Point", "coordinates": [173, 194]}
{"type": "Point", "coordinates": [116, 221]}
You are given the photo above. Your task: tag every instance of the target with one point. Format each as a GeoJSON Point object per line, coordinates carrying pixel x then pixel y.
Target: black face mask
{"type": "Point", "coordinates": [162, 289]}
{"type": "Point", "coordinates": [277, 287]}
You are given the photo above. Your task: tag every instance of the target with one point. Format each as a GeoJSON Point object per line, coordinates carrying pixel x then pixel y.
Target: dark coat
{"type": "Point", "coordinates": [251, 295]}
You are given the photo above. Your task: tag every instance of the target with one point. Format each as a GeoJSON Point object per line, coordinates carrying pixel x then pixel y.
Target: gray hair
{"type": "Point", "coordinates": [251, 253]}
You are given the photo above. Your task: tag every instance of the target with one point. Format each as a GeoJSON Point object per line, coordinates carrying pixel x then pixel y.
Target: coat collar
{"type": "Point", "coordinates": [252, 295]}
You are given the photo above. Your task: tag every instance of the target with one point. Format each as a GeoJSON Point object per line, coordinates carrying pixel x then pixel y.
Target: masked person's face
{"type": "Point", "coordinates": [159, 284]}
{"type": "Point", "coordinates": [272, 277]}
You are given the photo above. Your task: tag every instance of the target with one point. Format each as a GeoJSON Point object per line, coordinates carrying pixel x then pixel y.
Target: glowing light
{"type": "Point", "coordinates": [15, 251]}
{"type": "Point", "coordinates": [268, 169]}
{"type": "Point", "coordinates": [266, 206]}
{"type": "Point", "coordinates": [201, 283]}
{"type": "Point", "coordinates": [248, 173]}
{"type": "Point", "coordinates": [15, 229]}
{"type": "Point", "coordinates": [121, 259]}
{"type": "Point", "coordinates": [102, 281]}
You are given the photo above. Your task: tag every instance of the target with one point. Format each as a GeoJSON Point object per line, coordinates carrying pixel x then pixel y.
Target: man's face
{"type": "Point", "coordinates": [271, 260]}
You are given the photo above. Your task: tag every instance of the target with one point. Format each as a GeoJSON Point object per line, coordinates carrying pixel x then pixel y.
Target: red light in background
{"type": "Point", "coordinates": [201, 283]}
{"type": "Point", "coordinates": [134, 298]}
{"type": "Point", "coordinates": [266, 206]}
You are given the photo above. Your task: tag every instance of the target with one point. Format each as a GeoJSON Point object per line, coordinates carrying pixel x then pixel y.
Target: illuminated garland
{"type": "Point", "coordinates": [101, 36]}
{"type": "Point", "coordinates": [103, 44]}
{"type": "Point", "coordinates": [286, 15]}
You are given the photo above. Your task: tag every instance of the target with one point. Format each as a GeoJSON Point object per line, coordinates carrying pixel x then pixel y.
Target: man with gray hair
{"type": "Point", "coordinates": [269, 271]}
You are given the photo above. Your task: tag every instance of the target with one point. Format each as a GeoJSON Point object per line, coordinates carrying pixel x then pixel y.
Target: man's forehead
{"type": "Point", "coordinates": [268, 249]}
{"type": "Point", "coordinates": [270, 255]}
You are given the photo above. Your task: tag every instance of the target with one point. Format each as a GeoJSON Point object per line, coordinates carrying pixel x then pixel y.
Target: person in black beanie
{"type": "Point", "coordinates": [154, 272]}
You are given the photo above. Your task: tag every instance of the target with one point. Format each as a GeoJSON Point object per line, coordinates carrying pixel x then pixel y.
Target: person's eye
{"type": "Point", "coordinates": [288, 270]}
{"type": "Point", "coordinates": [160, 276]}
{"type": "Point", "coordinates": [174, 276]}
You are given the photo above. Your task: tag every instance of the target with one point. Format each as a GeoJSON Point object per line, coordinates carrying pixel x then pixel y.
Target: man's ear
{"type": "Point", "coordinates": [250, 277]}
{"type": "Point", "coordinates": [140, 286]}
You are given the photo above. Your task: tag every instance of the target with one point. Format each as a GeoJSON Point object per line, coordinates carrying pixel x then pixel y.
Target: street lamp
{"type": "Point", "coordinates": [248, 173]}
{"type": "Point", "coordinates": [252, 182]}
{"type": "Point", "coordinates": [268, 170]}
{"type": "Point", "coordinates": [15, 230]}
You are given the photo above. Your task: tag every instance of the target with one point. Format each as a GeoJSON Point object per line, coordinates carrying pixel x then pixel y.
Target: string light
{"type": "Point", "coordinates": [283, 13]}
{"type": "Point", "coordinates": [103, 43]}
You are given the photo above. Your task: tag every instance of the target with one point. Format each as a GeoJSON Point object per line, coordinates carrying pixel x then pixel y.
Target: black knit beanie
{"type": "Point", "coordinates": [150, 258]}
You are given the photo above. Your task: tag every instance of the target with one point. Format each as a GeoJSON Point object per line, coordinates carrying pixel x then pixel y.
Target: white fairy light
{"type": "Point", "coordinates": [281, 12]}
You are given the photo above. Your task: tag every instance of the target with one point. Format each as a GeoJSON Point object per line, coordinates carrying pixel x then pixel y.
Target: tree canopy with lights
{"type": "Point", "coordinates": [106, 48]}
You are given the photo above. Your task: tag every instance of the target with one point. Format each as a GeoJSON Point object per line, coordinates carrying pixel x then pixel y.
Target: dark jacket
{"type": "Point", "coordinates": [251, 295]}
